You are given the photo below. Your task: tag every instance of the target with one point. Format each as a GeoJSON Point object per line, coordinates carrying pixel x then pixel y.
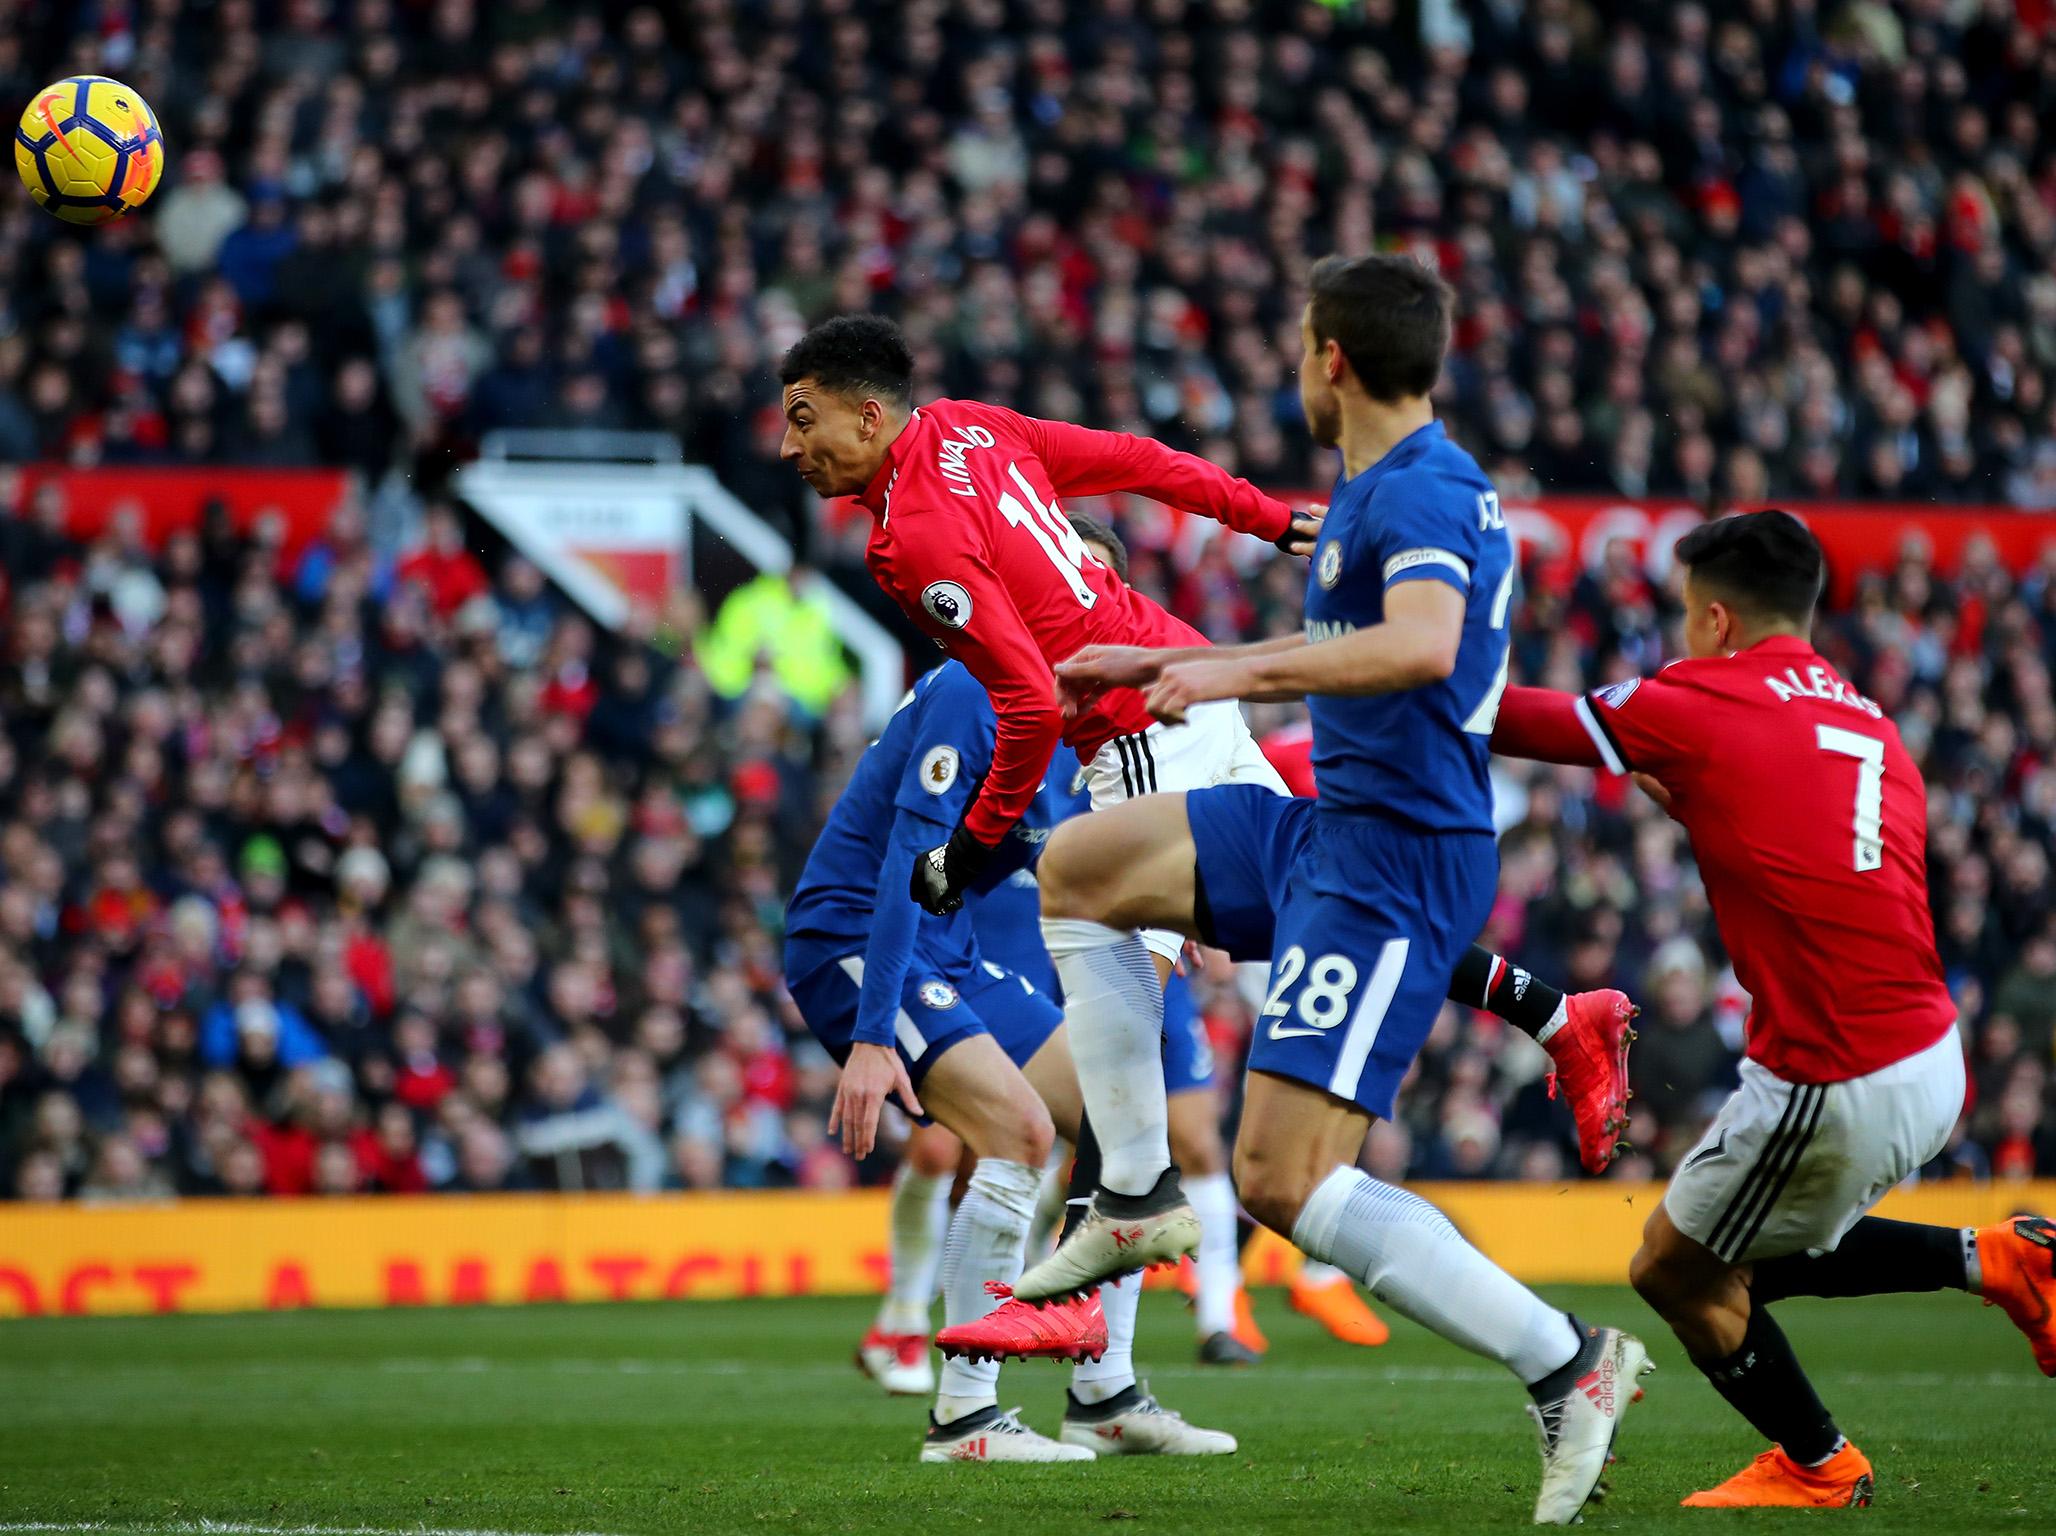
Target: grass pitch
{"type": "Point", "coordinates": [746, 1416]}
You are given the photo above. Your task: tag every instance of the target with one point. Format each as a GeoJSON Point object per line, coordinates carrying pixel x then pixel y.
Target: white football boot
{"type": "Point", "coordinates": [1118, 1235]}
{"type": "Point", "coordinates": [986, 1434]}
{"type": "Point", "coordinates": [1578, 1428]}
{"type": "Point", "coordinates": [1132, 1423]}
{"type": "Point", "coordinates": [898, 1362]}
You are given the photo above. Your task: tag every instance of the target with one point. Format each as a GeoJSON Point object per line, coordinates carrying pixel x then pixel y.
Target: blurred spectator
{"type": "Point", "coordinates": [378, 868]}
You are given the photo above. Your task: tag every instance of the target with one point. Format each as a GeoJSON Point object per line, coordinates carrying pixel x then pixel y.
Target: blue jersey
{"type": "Point", "coordinates": [1424, 512]}
{"type": "Point", "coordinates": [909, 791]}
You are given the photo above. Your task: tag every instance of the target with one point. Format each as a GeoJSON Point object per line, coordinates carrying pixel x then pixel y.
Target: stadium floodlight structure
{"type": "Point", "coordinates": [619, 517]}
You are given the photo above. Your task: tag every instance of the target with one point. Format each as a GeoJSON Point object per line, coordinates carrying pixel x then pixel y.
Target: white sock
{"type": "Point", "coordinates": [920, 1222]}
{"type": "Point", "coordinates": [1094, 1381]}
{"type": "Point", "coordinates": [984, 1244]}
{"type": "Point", "coordinates": [1114, 1005]}
{"type": "Point", "coordinates": [1049, 1200]}
{"type": "Point", "coordinates": [1313, 1272]}
{"type": "Point", "coordinates": [1840, 1441]}
{"type": "Point", "coordinates": [1557, 1020]}
{"type": "Point", "coordinates": [1973, 1271]}
{"type": "Point", "coordinates": [1411, 1258]}
{"type": "Point", "coordinates": [1219, 1262]}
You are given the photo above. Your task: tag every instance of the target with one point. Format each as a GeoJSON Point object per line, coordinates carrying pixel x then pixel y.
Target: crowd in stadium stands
{"type": "Point", "coordinates": [333, 873]}
{"type": "Point", "coordinates": [1764, 249]}
{"type": "Point", "coordinates": [374, 867]}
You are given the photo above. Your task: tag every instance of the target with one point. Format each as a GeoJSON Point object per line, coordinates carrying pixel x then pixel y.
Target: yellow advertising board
{"type": "Point", "coordinates": [446, 1250]}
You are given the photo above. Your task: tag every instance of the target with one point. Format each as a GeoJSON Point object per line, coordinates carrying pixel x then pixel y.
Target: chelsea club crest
{"type": "Point", "coordinates": [1328, 567]}
{"type": "Point", "coordinates": [937, 995]}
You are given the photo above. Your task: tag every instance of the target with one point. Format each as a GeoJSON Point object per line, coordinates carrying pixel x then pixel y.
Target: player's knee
{"type": "Point", "coordinates": [1271, 1190]}
{"type": "Point", "coordinates": [1064, 875]}
{"type": "Point", "coordinates": [1195, 1144]}
{"type": "Point", "coordinates": [1017, 1127]}
{"type": "Point", "coordinates": [933, 1152]}
{"type": "Point", "coordinates": [1656, 1281]}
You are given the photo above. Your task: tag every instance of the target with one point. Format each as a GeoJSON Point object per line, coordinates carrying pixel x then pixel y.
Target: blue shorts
{"type": "Point", "coordinates": [1188, 1054]}
{"type": "Point", "coordinates": [940, 1004]}
{"type": "Point", "coordinates": [1363, 919]}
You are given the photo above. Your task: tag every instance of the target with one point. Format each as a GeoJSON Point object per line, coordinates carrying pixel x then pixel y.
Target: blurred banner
{"type": "Point", "coordinates": [252, 1255]}
{"type": "Point", "coordinates": [165, 498]}
{"type": "Point", "coordinates": [1858, 536]}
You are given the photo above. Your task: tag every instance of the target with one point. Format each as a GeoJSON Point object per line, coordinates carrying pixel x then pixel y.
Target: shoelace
{"type": "Point", "coordinates": [1548, 1424]}
{"type": "Point", "coordinates": [1008, 1423]}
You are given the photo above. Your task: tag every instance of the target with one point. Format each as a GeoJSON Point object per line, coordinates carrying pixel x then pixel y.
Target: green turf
{"type": "Point", "coordinates": [747, 1417]}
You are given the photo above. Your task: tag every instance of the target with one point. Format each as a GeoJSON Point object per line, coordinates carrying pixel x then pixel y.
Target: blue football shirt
{"type": "Point", "coordinates": [1424, 512]}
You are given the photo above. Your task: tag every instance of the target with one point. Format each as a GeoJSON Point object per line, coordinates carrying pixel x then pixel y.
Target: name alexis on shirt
{"type": "Point", "coordinates": [1819, 683]}
{"type": "Point", "coordinates": [949, 458]}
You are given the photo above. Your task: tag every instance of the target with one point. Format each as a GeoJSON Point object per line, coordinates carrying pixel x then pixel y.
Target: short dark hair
{"type": "Point", "coordinates": [853, 355]}
{"type": "Point", "coordinates": [1766, 563]}
{"type": "Point", "coordinates": [1389, 314]}
{"type": "Point", "coordinates": [1093, 531]}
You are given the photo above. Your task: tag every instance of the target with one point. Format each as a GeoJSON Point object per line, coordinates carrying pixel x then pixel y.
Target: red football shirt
{"type": "Point", "coordinates": [971, 541]}
{"type": "Point", "coordinates": [1809, 822]}
{"type": "Point", "coordinates": [1290, 750]}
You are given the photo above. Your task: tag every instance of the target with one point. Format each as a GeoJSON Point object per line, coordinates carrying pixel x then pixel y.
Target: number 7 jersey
{"type": "Point", "coordinates": [971, 540]}
{"type": "Point", "coordinates": [1809, 822]}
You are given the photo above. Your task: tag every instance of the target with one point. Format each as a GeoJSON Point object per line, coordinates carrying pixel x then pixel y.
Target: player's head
{"type": "Point", "coordinates": [1104, 543]}
{"type": "Point", "coordinates": [849, 384]}
{"type": "Point", "coordinates": [1374, 326]}
{"type": "Point", "coordinates": [1747, 578]}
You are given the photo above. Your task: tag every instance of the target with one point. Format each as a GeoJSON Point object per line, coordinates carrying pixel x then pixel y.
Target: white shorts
{"type": "Point", "coordinates": [1212, 747]}
{"type": "Point", "coordinates": [1787, 1168]}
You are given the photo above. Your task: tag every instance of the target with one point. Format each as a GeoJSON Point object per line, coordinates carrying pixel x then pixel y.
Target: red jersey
{"type": "Point", "coordinates": [1290, 750]}
{"type": "Point", "coordinates": [971, 542]}
{"type": "Point", "coordinates": [1809, 822]}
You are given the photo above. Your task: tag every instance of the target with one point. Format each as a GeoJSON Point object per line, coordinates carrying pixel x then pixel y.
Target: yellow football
{"type": "Point", "coordinates": [89, 150]}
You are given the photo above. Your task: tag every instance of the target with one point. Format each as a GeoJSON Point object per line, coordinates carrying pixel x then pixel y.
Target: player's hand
{"type": "Point", "coordinates": [1651, 786]}
{"type": "Point", "coordinates": [1300, 538]}
{"type": "Point", "coordinates": [872, 1073]}
{"type": "Point", "coordinates": [1186, 683]}
{"type": "Point", "coordinates": [942, 873]}
{"type": "Point", "coordinates": [1099, 667]}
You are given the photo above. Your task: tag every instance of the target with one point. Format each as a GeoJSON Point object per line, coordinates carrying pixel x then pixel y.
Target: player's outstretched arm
{"type": "Point", "coordinates": [1415, 644]}
{"type": "Point", "coordinates": [1085, 462]}
{"type": "Point", "coordinates": [1542, 725]}
{"type": "Point", "coordinates": [1100, 667]}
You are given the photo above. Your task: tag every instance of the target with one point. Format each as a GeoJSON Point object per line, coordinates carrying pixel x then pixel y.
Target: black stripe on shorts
{"type": "Point", "coordinates": [1758, 1174]}
{"type": "Point", "coordinates": [1800, 1144]}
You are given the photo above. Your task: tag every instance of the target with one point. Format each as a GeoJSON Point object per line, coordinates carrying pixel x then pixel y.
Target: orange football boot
{"type": "Point", "coordinates": [2017, 1260]}
{"type": "Point", "coordinates": [1775, 1481]}
{"type": "Point", "coordinates": [1337, 1308]}
{"type": "Point", "coordinates": [1246, 1332]}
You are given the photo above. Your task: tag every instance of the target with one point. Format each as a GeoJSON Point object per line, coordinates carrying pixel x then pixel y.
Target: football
{"type": "Point", "coordinates": [89, 150]}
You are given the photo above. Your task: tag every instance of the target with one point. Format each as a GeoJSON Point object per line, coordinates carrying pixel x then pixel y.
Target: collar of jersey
{"type": "Point", "coordinates": [1414, 443]}
{"type": "Point", "coordinates": [874, 495]}
{"type": "Point", "coordinates": [1778, 645]}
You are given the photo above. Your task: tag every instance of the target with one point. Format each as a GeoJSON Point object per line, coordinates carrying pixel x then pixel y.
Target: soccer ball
{"type": "Point", "coordinates": [89, 150]}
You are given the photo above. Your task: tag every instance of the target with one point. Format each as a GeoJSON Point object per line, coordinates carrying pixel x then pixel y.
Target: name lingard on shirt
{"type": "Point", "coordinates": [1819, 683]}
{"type": "Point", "coordinates": [949, 458]}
